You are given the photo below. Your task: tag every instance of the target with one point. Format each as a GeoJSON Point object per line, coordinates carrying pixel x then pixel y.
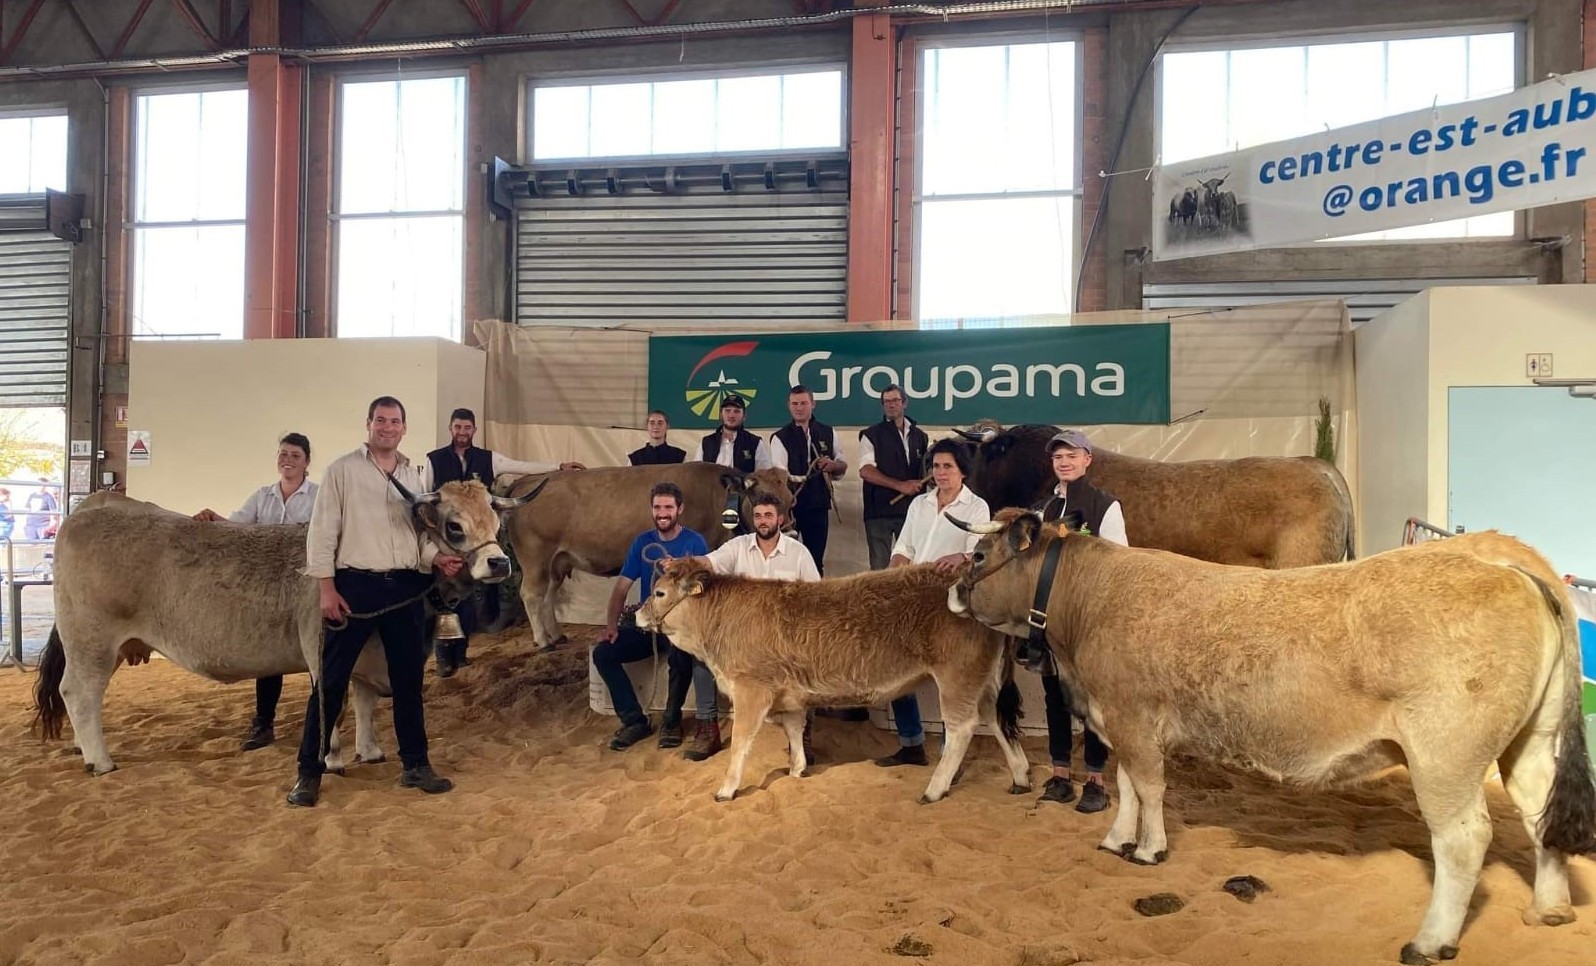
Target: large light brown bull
{"type": "Point", "coordinates": [1444, 658]}
{"type": "Point", "coordinates": [779, 648]}
{"type": "Point", "coordinates": [587, 521]}
{"type": "Point", "coordinates": [1271, 512]}
{"type": "Point", "coordinates": [227, 601]}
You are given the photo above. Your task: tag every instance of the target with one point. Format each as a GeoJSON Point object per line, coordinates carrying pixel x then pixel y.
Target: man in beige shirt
{"type": "Point", "coordinates": [367, 556]}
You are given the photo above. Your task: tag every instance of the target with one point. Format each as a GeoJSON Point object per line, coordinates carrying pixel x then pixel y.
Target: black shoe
{"type": "Point", "coordinates": [907, 755]}
{"type": "Point", "coordinates": [670, 732]}
{"type": "Point", "coordinates": [261, 734]}
{"type": "Point", "coordinates": [1057, 789]}
{"type": "Point", "coordinates": [628, 735]}
{"type": "Point", "coordinates": [306, 790]}
{"type": "Point", "coordinates": [424, 778]}
{"type": "Point", "coordinates": [1094, 798]}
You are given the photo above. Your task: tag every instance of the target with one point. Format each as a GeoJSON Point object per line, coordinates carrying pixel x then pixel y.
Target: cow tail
{"type": "Point", "coordinates": [1009, 703]}
{"type": "Point", "coordinates": [49, 711]}
{"type": "Point", "coordinates": [1568, 823]}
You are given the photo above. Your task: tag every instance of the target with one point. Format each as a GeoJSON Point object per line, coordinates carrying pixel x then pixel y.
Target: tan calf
{"type": "Point", "coordinates": [779, 648]}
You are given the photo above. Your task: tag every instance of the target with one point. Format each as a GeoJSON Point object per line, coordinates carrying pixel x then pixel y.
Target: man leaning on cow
{"type": "Point", "coordinates": [732, 445]}
{"type": "Point", "coordinates": [769, 554]}
{"type": "Point", "coordinates": [928, 537]}
{"type": "Point", "coordinates": [620, 645]}
{"type": "Point", "coordinates": [289, 500]}
{"type": "Point", "coordinates": [463, 460]}
{"type": "Point", "coordinates": [373, 570]}
{"type": "Point", "coordinates": [807, 449]}
{"type": "Point", "coordinates": [657, 450]}
{"type": "Point", "coordinates": [1071, 454]}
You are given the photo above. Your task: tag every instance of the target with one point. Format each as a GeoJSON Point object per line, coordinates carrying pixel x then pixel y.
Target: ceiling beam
{"type": "Point", "coordinates": [196, 24]}
{"type": "Point", "coordinates": [9, 47]}
{"type": "Point", "coordinates": [132, 25]}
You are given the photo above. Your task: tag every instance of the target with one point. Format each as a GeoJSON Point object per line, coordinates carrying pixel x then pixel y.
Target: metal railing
{"type": "Point", "coordinates": [12, 583]}
{"type": "Point", "coordinates": [1418, 531]}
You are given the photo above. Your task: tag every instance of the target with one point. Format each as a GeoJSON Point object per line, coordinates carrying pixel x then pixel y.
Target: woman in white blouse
{"type": "Point", "coordinates": [289, 500]}
{"type": "Point", "coordinates": [928, 537]}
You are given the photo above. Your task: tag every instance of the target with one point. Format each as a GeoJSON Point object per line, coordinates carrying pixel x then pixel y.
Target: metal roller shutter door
{"type": "Point", "coordinates": [697, 256]}
{"type": "Point", "coordinates": [35, 303]}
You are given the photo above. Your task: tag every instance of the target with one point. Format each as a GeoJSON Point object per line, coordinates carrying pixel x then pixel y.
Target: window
{"type": "Point", "coordinates": [698, 116]}
{"type": "Point", "coordinates": [188, 213]}
{"type": "Point", "coordinates": [33, 153]}
{"type": "Point", "coordinates": [401, 207]}
{"type": "Point", "coordinates": [999, 182]}
{"type": "Point", "coordinates": [1216, 101]}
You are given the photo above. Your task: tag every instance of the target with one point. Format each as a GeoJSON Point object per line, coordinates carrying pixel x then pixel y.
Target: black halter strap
{"type": "Point", "coordinates": [1037, 618]}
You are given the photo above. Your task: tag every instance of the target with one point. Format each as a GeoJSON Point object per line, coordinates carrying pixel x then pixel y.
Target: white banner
{"type": "Point", "coordinates": [1535, 146]}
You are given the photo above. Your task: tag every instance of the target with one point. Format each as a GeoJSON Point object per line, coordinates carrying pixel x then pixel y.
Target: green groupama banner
{"type": "Point", "coordinates": [1079, 375]}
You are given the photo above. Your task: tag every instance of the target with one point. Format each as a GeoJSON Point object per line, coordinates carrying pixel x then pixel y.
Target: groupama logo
{"type": "Point", "coordinates": [704, 393]}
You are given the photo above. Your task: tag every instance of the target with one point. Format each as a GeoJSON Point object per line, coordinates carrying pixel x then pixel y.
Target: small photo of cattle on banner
{"type": "Point", "coordinates": [1203, 208]}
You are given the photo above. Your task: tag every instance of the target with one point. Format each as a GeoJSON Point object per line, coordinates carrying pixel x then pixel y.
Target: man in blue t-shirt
{"type": "Point", "coordinates": [618, 645]}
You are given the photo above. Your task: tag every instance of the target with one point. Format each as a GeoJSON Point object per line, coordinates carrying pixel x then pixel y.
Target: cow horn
{"type": "Point", "coordinates": [502, 503]}
{"type": "Point", "coordinates": [990, 526]}
{"type": "Point", "coordinates": [984, 436]}
{"type": "Point", "coordinates": [411, 498]}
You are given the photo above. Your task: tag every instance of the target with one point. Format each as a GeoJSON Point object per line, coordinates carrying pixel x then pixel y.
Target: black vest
{"type": "Point", "coordinates": [743, 449]}
{"type": "Point", "coordinates": [891, 461]}
{"type": "Point", "coordinates": [815, 494]}
{"type": "Point", "coordinates": [1083, 498]}
{"type": "Point", "coordinates": [654, 455]}
{"type": "Point", "coordinates": [446, 466]}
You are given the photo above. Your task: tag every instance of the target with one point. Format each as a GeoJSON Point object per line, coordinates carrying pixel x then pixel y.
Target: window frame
{"type": "Point", "coordinates": [131, 226]}
{"type": "Point", "coordinates": [532, 83]}
{"type": "Point", "coordinates": [336, 217]}
{"type": "Point", "coordinates": [46, 109]}
{"type": "Point", "coordinates": [1077, 193]}
{"type": "Point", "coordinates": [1331, 36]}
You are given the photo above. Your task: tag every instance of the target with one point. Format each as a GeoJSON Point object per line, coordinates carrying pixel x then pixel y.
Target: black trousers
{"type": "Point", "coordinates": [267, 693]}
{"type": "Point", "coordinates": [632, 644]}
{"type": "Point", "coordinates": [404, 645]}
{"type": "Point", "coordinates": [1060, 730]}
{"type": "Point", "coordinates": [814, 527]}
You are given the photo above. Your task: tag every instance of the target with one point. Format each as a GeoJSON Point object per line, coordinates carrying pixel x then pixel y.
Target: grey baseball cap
{"type": "Point", "coordinates": [1073, 438]}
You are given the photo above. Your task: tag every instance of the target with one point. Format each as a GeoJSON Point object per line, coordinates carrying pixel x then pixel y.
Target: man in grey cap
{"type": "Point", "coordinates": [1071, 453]}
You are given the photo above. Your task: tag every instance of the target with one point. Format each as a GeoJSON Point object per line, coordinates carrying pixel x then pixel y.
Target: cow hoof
{"type": "Point", "coordinates": [1413, 957]}
{"type": "Point", "coordinates": [1555, 916]}
{"type": "Point", "coordinates": [725, 796]}
{"type": "Point", "coordinates": [339, 771]}
{"type": "Point", "coordinates": [98, 772]}
{"type": "Point", "coordinates": [1019, 789]}
{"type": "Point", "coordinates": [928, 800]}
{"type": "Point", "coordinates": [1157, 858]}
{"type": "Point", "coordinates": [376, 759]}
{"type": "Point", "coordinates": [556, 643]}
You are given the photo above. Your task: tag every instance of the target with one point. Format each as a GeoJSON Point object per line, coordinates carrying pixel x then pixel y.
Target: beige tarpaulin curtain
{"type": "Point", "coordinates": [1244, 381]}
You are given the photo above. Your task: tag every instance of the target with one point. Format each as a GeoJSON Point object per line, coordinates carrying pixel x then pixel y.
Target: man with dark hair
{"type": "Point", "coordinates": [364, 551]}
{"type": "Point", "coordinates": [657, 450]}
{"type": "Point", "coordinates": [731, 444]}
{"type": "Point", "coordinates": [461, 460]}
{"type": "Point", "coordinates": [891, 462]}
{"type": "Point", "coordinates": [807, 449]}
{"type": "Point", "coordinates": [1071, 454]}
{"type": "Point", "coordinates": [41, 515]}
{"type": "Point", "coordinates": [619, 645]}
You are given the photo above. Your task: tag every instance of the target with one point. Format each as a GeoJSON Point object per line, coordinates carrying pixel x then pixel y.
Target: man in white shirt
{"type": "Point", "coordinates": [731, 444]}
{"type": "Point", "coordinates": [1071, 454]}
{"type": "Point", "coordinates": [289, 500]}
{"type": "Point", "coordinates": [769, 554]}
{"type": "Point", "coordinates": [928, 537]}
{"type": "Point", "coordinates": [368, 559]}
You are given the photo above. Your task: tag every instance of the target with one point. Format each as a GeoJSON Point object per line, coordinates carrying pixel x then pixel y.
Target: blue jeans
{"type": "Point", "coordinates": [630, 645]}
{"type": "Point", "coordinates": [906, 712]}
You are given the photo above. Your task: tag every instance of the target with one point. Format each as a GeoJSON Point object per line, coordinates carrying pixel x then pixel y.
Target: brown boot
{"type": "Point", "coordinates": [706, 741]}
